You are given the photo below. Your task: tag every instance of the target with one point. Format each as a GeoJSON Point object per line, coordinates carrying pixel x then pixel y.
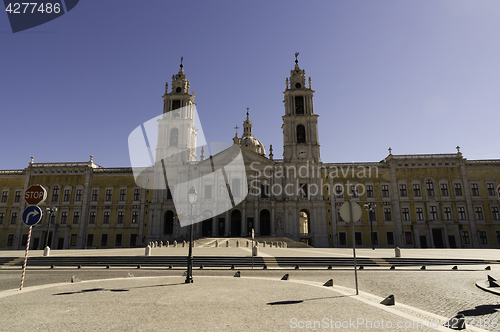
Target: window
{"type": "Point", "coordinates": [430, 187]}
{"type": "Point", "coordinates": [416, 190]}
{"type": "Point", "coordinates": [123, 194]}
{"type": "Point", "coordinates": [461, 213]}
{"type": "Point", "coordinates": [13, 218]}
{"type": "Point", "coordinates": [408, 237]}
{"type": "Point", "coordinates": [342, 239]}
{"type": "Point", "coordinates": [303, 190]}
{"type": "Point", "coordinates": [10, 240]}
{"type": "Point", "coordinates": [121, 217]}
{"type": "Point", "coordinates": [420, 213]}
{"type": "Point", "coordinates": [118, 240]}
{"type": "Point", "coordinates": [458, 189]}
{"type": "Point", "coordinates": [354, 191]}
{"type": "Point", "coordinates": [235, 188]}
{"type": "Point", "coordinates": [264, 190]}
{"type": "Point", "coordinates": [78, 196]}
{"type": "Point", "coordinates": [358, 237]}
{"type": "Point", "coordinates": [387, 214]}
{"type": "Point", "coordinates": [72, 240]}
{"type": "Point", "coordinates": [447, 213]}
{"type": "Point", "coordinates": [299, 105]}
{"type": "Point", "coordinates": [406, 214]}
{"type": "Point", "coordinates": [105, 219]}
{"type": "Point", "coordinates": [176, 104]}
{"type": "Point", "coordinates": [135, 217]}
{"type": "Point", "coordinates": [55, 194]}
{"type": "Point", "coordinates": [174, 137]}
{"type": "Point", "coordinates": [5, 195]}
{"type": "Point", "coordinates": [95, 195]}
{"type": "Point", "coordinates": [444, 189]}
{"type": "Point", "coordinates": [90, 240]}
{"type": "Point", "coordinates": [475, 189]}
{"type": "Point", "coordinates": [104, 240]}
{"type": "Point", "coordinates": [402, 190]}
{"type": "Point", "coordinates": [76, 217]}
{"type": "Point", "coordinates": [17, 197]}
{"type": "Point", "coordinates": [2, 217]}
{"type": "Point", "coordinates": [385, 190]}
{"type": "Point", "coordinates": [465, 237]}
{"type": "Point", "coordinates": [390, 238]}
{"type": "Point", "coordinates": [491, 189]}
{"type": "Point", "coordinates": [67, 194]}
{"type": "Point", "coordinates": [64, 217]}
{"type": "Point", "coordinates": [53, 218]}
{"type": "Point", "coordinates": [301, 134]}
{"type": "Point", "coordinates": [433, 211]}
{"type": "Point", "coordinates": [479, 213]}
{"type": "Point", "coordinates": [92, 218]}
{"type": "Point", "coordinates": [339, 191]}
{"type": "Point", "coordinates": [208, 191]}
{"type": "Point", "coordinates": [133, 240]}
{"type": "Point", "coordinates": [483, 237]}
{"type": "Point", "coordinates": [374, 236]}
{"type": "Point", "coordinates": [369, 190]}
{"type": "Point", "coordinates": [137, 194]}
{"type": "Point", "coordinates": [109, 194]}
{"type": "Point", "coordinates": [372, 216]}
{"type": "Point", "coordinates": [494, 213]}
{"type": "Point", "coordinates": [498, 237]}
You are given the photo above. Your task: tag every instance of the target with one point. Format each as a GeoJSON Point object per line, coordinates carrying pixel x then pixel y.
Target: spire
{"type": "Point", "coordinates": [247, 126]}
{"type": "Point", "coordinates": [182, 58]}
{"type": "Point", "coordinates": [297, 76]}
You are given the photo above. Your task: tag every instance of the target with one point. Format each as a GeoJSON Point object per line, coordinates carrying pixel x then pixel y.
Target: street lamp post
{"type": "Point", "coordinates": [370, 207]}
{"type": "Point", "coordinates": [192, 195]}
{"type": "Point", "coordinates": [50, 212]}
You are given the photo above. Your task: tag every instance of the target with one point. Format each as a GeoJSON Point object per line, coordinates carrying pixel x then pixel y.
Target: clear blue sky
{"type": "Point", "coordinates": [418, 76]}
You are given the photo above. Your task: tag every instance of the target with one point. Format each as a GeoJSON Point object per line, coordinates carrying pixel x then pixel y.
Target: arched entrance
{"type": "Point", "coordinates": [304, 227]}
{"type": "Point", "coordinates": [265, 223]}
{"type": "Point", "coordinates": [168, 223]}
{"type": "Point", "coordinates": [236, 223]}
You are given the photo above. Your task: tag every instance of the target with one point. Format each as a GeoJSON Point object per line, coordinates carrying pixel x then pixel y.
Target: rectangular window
{"type": "Point", "coordinates": [374, 235]}
{"type": "Point", "coordinates": [92, 218]}
{"type": "Point", "coordinates": [208, 191]}
{"type": "Point", "coordinates": [483, 237]}
{"type": "Point", "coordinates": [109, 194]}
{"type": "Point", "coordinates": [465, 237]}
{"type": "Point", "coordinates": [121, 217]}
{"type": "Point", "coordinates": [402, 190]}
{"type": "Point", "coordinates": [5, 195]}
{"type": "Point", "coordinates": [447, 213]}
{"type": "Point", "coordinates": [474, 189]}
{"type": "Point", "coordinates": [118, 240]}
{"type": "Point", "coordinates": [342, 239]}
{"type": "Point", "coordinates": [76, 217]}
{"type": "Point", "coordinates": [137, 194]}
{"type": "Point", "coordinates": [458, 189]}
{"type": "Point", "coordinates": [444, 189]}
{"type": "Point", "coordinates": [17, 197]}
{"type": "Point", "coordinates": [24, 240]}
{"type": "Point", "coordinates": [72, 240]}
{"type": "Point", "coordinates": [358, 236]}
{"type": "Point", "coordinates": [299, 105]}
{"type": "Point", "coordinates": [479, 213]}
{"type": "Point", "coordinates": [123, 193]}
{"type": "Point", "coordinates": [133, 240]}
{"type": "Point", "coordinates": [13, 218]}
{"type": "Point", "coordinates": [406, 214]}
{"type": "Point", "coordinates": [10, 240]}
{"type": "Point", "coordinates": [390, 238]}
{"type": "Point", "coordinates": [55, 194]}
{"type": "Point", "coordinates": [135, 217]}
{"type": "Point", "coordinates": [408, 237]}
{"type": "Point", "coordinates": [64, 217]}
{"type": "Point", "coordinates": [420, 213]}
{"type": "Point", "coordinates": [369, 190]}
{"type": "Point", "coordinates": [2, 217]}
{"type": "Point", "coordinates": [105, 219]}
{"type": "Point", "coordinates": [354, 191]}
{"type": "Point", "coordinates": [498, 237]}
{"type": "Point", "coordinates": [491, 189]}
{"type": "Point", "coordinates": [339, 191]}
{"type": "Point", "coordinates": [430, 187]}
{"type": "Point", "coordinates": [433, 211]}
{"type": "Point", "coordinates": [387, 214]}
{"type": "Point", "coordinates": [385, 190]}
{"type": "Point", "coordinates": [264, 191]}
{"type": "Point", "coordinates": [104, 240]}
{"type": "Point", "coordinates": [372, 216]}
{"type": "Point", "coordinates": [461, 213]}
{"type": "Point", "coordinates": [90, 240]}
{"type": "Point", "coordinates": [303, 190]}
{"type": "Point", "coordinates": [78, 196]}
{"type": "Point", "coordinates": [95, 195]}
{"type": "Point", "coordinates": [416, 190]}
{"type": "Point", "coordinates": [494, 213]}
{"type": "Point", "coordinates": [67, 194]}
{"type": "Point", "coordinates": [176, 104]}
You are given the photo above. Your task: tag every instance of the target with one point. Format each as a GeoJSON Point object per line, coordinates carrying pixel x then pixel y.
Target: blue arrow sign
{"type": "Point", "coordinates": [32, 215]}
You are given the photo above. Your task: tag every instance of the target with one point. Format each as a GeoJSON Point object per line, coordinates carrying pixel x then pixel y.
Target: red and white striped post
{"type": "Point", "coordinates": [25, 258]}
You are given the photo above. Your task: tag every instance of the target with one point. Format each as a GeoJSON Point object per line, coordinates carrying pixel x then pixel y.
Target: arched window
{"type": "Point", "coordinates": [304, 222]}
{"type": "Point", "coordinates": [174, 137]}
{"type": "Point", "coordinates": [301, 134]}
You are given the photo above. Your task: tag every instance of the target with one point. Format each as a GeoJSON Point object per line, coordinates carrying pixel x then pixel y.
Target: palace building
{"type": "Point", "coordinates": [422, 201]}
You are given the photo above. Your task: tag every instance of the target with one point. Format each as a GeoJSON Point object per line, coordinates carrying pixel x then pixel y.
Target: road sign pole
{"type": "Point", "coordinates": [353, 247]}
{"type": "Point", "coordinates": [25, 258]}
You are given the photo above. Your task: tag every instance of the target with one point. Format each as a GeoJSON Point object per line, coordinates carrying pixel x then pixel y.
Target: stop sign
{"type": "Point", "coordinates": [35, 194]}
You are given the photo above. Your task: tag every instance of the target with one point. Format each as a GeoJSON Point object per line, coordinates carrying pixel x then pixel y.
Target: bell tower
{"type": "Point", "coordinates": [300, 124]}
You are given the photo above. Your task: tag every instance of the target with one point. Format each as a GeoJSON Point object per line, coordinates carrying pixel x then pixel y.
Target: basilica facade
{"type": "Point", "coordinates": [435, 200]}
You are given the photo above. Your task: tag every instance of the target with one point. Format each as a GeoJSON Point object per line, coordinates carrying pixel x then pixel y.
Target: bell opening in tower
{"type": "Point", "coordinates": [299, 105]}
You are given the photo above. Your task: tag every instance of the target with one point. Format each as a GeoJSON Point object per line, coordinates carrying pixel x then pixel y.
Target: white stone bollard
{"type": "Point", "coordinates": [183, 243]}
{"type": "Point", "coordinates": [397, 252]}
{"type": "Point", "coordinates": [216, 244]}
{"type": "Point", "coordinates": [237, 244]}
{"type": "Point", "coordinates": [148, 251]}
{"type": "Point", "coordinates": [248, 243]}
{"type": "Point", "coordinates": [166, 244]}
{"type": "Point", "coordinates": [255, 251]}
{"type": "Point", "coordinates": [46, 252]}
{"type": "Point", "coordinates": [175, 243]}
{"type": "Point", "coordinates": [227, 244]}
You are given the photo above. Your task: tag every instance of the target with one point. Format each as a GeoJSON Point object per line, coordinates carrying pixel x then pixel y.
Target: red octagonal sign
{"type": "Point", "coordinates": [35, 194]}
